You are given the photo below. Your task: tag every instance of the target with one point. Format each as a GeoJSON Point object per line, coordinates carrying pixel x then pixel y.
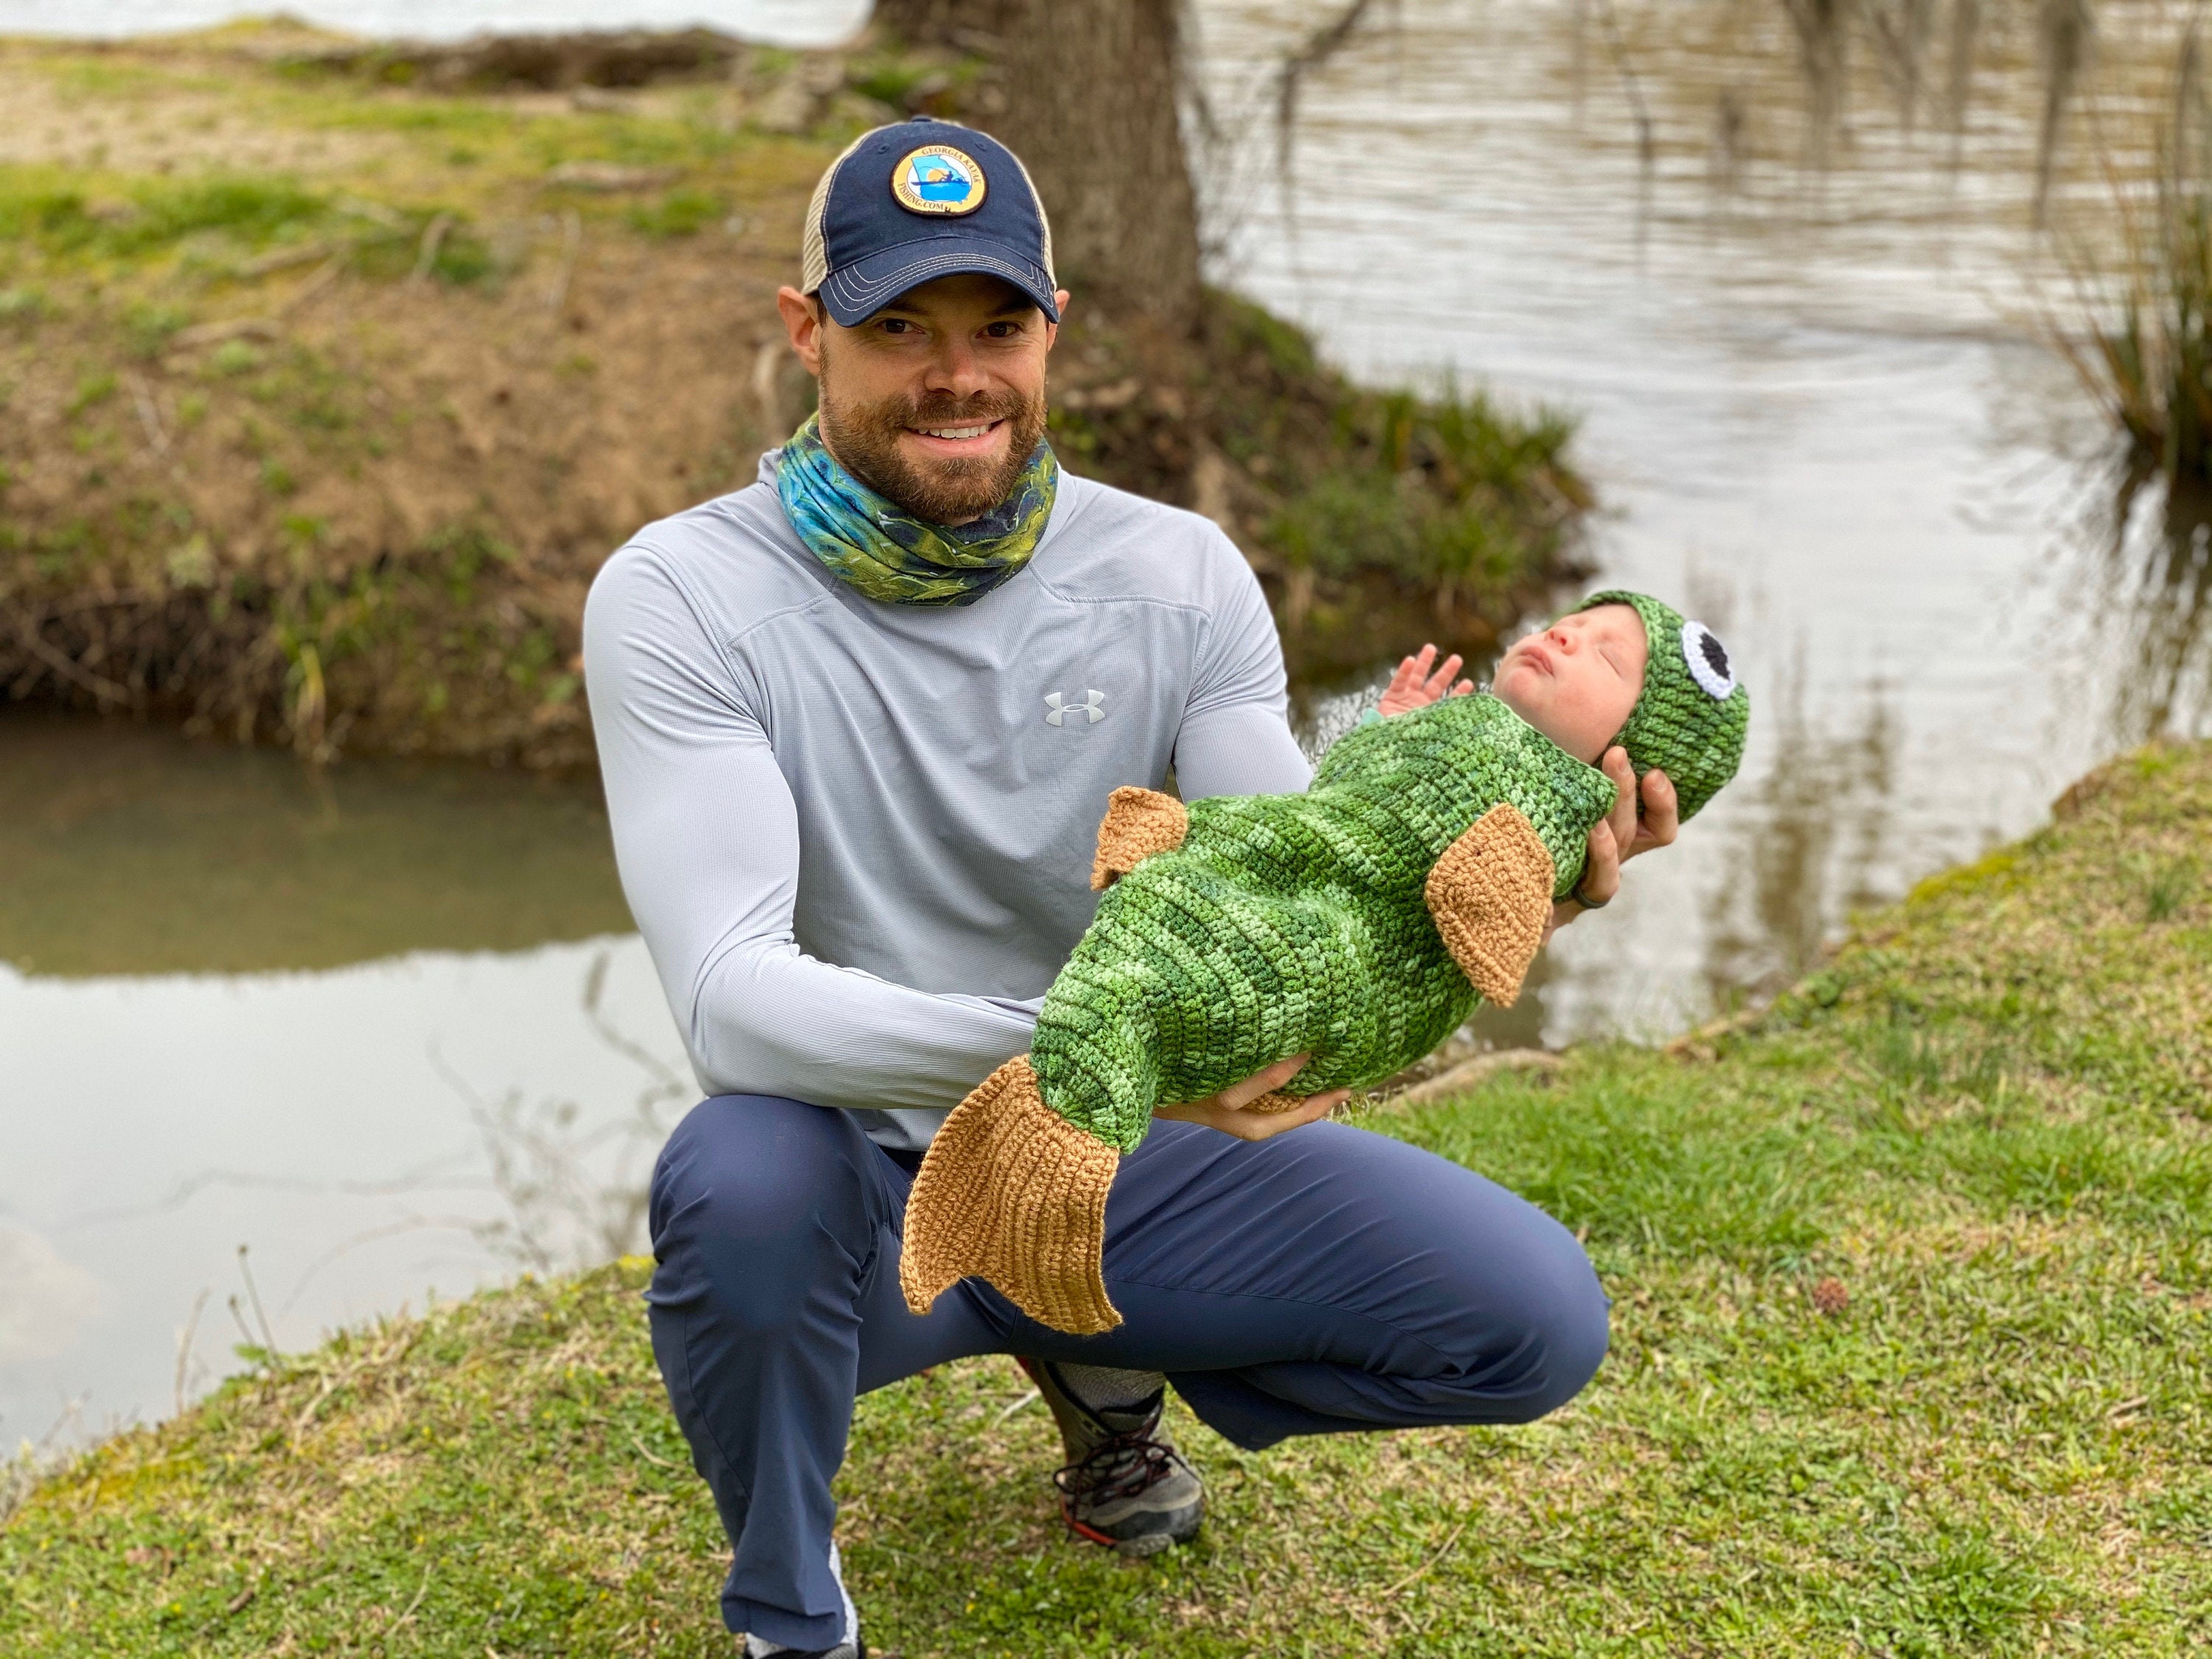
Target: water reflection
{"type": "Point", "coordinates": [445, 1098]}
{"type": "Point", "coordinates": [2148, 606]}
{"type": "Point", "coordinates": [129, 849]}
{"type": "Point", "coordinates": [1818, 403]}
{"type": "Point", "coordinates": [1807, 848]}
{"type": "Point", "coordinates": [433, 1121]}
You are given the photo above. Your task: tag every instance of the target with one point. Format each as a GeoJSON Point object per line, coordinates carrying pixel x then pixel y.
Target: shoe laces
{"type": "Point", "coordinates": [1121, 1466]}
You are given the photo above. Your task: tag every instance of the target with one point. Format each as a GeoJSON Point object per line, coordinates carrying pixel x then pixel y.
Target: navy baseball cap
{"type": "Point", "coordinates": [922, 199]}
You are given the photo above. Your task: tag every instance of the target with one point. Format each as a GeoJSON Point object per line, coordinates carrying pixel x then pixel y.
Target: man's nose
{"type": "Point", "coordinates": [954, 368]}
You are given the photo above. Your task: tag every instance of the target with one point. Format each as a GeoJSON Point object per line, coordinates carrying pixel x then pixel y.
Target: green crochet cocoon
{"type": "Point", "coordinates": [1296, 924]}
{"type": "Point", "coordinates": [1358, 923]}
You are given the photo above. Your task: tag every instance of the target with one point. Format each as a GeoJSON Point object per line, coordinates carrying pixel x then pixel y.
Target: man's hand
{"type": "Point", "coordinates": [1227, 1111]}
{"type": "Point", "coordinates": [1623, 836]}
{"type": "Point", "coordinates": [1413, 686]}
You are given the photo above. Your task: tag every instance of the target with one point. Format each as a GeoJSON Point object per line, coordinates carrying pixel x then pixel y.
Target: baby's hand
{"type": "Point", "coordinates": [1414, 687]}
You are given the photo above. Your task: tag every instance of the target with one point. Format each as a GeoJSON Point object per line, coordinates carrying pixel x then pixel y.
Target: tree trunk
{"type": "Point", "coordinates": [1092, 108]}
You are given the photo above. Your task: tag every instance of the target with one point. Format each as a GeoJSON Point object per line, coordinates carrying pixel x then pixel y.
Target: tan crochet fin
{"type": "Point", "coordinates": [1138, 822]}
{"type": "Point", "coordinates": [1014, 1193]}
{"type": "Point", "coordinates": [1490, 895]}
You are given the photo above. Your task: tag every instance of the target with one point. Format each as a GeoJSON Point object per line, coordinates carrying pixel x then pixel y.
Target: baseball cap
{"type": "Point", "coordinates": [917, 200]}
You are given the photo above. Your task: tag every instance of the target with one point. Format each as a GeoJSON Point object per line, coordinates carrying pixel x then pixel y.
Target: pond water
{"type": "Point", "coordinates": [387, 1027]}
{"type": "Point", "coordinates": [1819, 404]}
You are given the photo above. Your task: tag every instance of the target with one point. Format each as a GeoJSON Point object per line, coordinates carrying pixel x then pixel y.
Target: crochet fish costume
{"type": "Point", "coordinates": [1359, 923]}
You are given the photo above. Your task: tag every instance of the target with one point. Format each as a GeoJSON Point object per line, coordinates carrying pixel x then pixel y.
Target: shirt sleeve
{"type": "Point", "coordinates": [706, 837]}
{"type": "Point", "coordinates": [1235, 737]}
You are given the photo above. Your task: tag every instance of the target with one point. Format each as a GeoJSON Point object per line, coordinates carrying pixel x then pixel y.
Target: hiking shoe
{"type": "Point", "coordinates": [1123, 1487]}
{"type": "Point", "coordinates": [851, 1647]}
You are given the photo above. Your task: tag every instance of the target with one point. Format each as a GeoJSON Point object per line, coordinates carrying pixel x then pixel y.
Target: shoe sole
{"type": "Point", "coordinates": [1145, 1544]}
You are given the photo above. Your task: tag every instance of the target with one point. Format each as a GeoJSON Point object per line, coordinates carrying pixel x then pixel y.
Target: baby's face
{"type": "Point", "coordinates": [1577, 681]}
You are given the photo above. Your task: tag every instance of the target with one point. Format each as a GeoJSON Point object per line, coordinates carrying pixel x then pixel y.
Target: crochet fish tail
{"type": "Point", "coordinates": [1012, 1193]}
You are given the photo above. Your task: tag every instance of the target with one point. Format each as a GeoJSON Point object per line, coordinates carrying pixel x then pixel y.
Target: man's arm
{"type": "Point", "coordinates": [707, 839]}
{"type": "Point", "coordinates": [1235, 737]}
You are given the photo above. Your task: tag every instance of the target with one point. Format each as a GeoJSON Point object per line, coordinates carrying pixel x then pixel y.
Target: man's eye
{"type": "Point", "coordinates": [897, 326]}
{"type": "Point", "coordinates": [1003, 331]}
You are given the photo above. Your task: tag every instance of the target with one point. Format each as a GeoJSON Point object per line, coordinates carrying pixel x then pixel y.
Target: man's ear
{"type": "Point", "coordinates": [803, 321]}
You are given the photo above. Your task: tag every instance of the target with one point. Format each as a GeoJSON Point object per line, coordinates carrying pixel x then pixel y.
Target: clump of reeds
{"type": "Point", "coordinates": [2147, 355]}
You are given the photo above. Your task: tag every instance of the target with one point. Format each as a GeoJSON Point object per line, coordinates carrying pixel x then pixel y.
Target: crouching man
{"type": "Point", "coordinates": [858, 723]}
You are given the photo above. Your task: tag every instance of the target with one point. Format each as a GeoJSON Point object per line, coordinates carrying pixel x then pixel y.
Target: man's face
{"type": "Point", "coordinates": [937, 399]}
{"type": "Point", "coordinates": [1577, 681]}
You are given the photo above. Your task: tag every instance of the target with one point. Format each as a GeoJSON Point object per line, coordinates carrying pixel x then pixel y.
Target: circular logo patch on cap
{"type": "Point", "coordinates": [938, 178]}
{"type": "Point", "coordinates": [1708, 661]}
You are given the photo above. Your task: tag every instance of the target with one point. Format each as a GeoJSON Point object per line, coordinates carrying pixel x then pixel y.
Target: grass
{"type": "Point", "coordinates": [1912, 1279]}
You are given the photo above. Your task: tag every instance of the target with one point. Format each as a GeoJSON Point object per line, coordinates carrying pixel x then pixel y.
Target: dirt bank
{"type": "Point", "coordinates": [328, 375]}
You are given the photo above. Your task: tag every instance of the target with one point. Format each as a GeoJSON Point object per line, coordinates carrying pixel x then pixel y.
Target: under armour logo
{"type": "Point", "coordinates": [1058, 709]}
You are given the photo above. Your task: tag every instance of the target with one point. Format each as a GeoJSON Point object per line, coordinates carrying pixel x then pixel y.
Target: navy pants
{"type": "Point", "coordinates": [1323, 1280]}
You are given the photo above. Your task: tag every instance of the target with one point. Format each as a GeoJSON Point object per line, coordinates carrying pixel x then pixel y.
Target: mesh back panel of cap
{"type": "Point", "coordinates": [813, 251]}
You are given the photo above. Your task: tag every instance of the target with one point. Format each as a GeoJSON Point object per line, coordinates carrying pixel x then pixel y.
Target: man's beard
{"type": "Point", "coordinates": [866, 440]}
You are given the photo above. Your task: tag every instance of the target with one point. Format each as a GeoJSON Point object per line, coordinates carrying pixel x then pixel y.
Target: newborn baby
{"type": "Point", "coordinates": [1358, 923]}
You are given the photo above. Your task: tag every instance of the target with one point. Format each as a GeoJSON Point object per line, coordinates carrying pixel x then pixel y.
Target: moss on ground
{"type": "Point", "coordinates": [1913, 1282]}
{"type": "Point", "coordinates": [331, 375]}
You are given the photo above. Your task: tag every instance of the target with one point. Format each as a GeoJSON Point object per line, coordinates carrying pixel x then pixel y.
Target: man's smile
{"type": "Point", "coordinates": [969, 438]}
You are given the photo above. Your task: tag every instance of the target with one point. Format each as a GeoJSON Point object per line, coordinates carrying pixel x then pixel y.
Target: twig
{"type": "Point", "coordinates": [300, 1422]}
{"type": "Point", "coordinates": [74, 673]}
{"type": "Point", "coordinates": [236, 328]}
{"type": "Point", "coordinates": [237, 1604]}
{"type": "Point", "coordinates": [1426, 1566]}
{"type": "Point", "coordinates": [426, 254]}
{"type": "Point", "coordinates": [1468, 1073]}
{"type": "Point", "coordinates": [246, 1273]}
{"type": "Point", "coordinates": [572, 241]}
{"type": "Point", "coordinates": [284, 258]}
{"type": "Point", "coordinates": [237, 1319]}
{"type": "Point", "coordinates": [1646, 146]}
{"type": "Point", "coordinates": [1017, 1406]}
{"type": "Point", "coordinates": [184, 1345]}
{"type": "Point", "coordinates": [1725, 1025]}
{"type": "Point", "coordinates": [661, 1462]}
{"type": "Point", "coordinates": [315, 284]}
{"type": "Point", "coordinates": [149, 416]}
{"type": "Point", "coordinates": [421, 1590]}
{"type": "Point", "coordinates": [1323, 44]}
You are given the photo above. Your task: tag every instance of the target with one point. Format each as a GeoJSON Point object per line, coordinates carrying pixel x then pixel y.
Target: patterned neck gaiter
{"type": "Point", "coordinates": [888, 554]}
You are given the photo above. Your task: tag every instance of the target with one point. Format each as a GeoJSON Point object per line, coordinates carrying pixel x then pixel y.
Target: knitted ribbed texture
{"type": "Point", "coordinates": [1692, 717]}
{"type": "Point", "coordinates": [1012, 1193]}
{"type": "Point", "coordinates": [1490, 895]}
{"type": "Point", "coordinates": [1280, 925]}
{"type": "Point", "coordinates": [1138, 824]}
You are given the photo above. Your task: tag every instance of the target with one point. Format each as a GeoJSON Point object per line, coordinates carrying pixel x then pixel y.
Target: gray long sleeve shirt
{"type": "Point", "coordinates": [856, 836]}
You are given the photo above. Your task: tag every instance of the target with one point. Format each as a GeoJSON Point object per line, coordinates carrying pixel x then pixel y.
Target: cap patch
{"type": "Point", "coordinates": [1708, 659]}
{"type": "Point", "coordinates": [938, 178]}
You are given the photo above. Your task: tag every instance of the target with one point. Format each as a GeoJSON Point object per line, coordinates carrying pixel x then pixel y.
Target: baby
{"type": "Point", "coordinates": [1358, 924]}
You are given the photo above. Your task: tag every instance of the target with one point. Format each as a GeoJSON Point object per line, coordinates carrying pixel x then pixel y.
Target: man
{"type": "Point", "coordinates": [857, 724]}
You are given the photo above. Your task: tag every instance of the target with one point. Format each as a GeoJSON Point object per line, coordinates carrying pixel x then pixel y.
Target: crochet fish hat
{"type": "Point", "coordinates": [1691, 720]}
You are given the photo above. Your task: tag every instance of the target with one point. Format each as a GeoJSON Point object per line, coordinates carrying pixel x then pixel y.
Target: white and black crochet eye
{"type": "Point", "coordinates": [1709, 662]}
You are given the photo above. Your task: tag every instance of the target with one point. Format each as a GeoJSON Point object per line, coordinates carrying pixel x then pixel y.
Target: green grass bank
{"type": "Point", "coordinates": [329, 375]}
{"type": "Point", "coordinates": [1912, 1283]}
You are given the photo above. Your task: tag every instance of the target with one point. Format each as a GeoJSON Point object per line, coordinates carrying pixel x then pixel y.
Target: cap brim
{"type": "Point", "coordinates": [856, 292]}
